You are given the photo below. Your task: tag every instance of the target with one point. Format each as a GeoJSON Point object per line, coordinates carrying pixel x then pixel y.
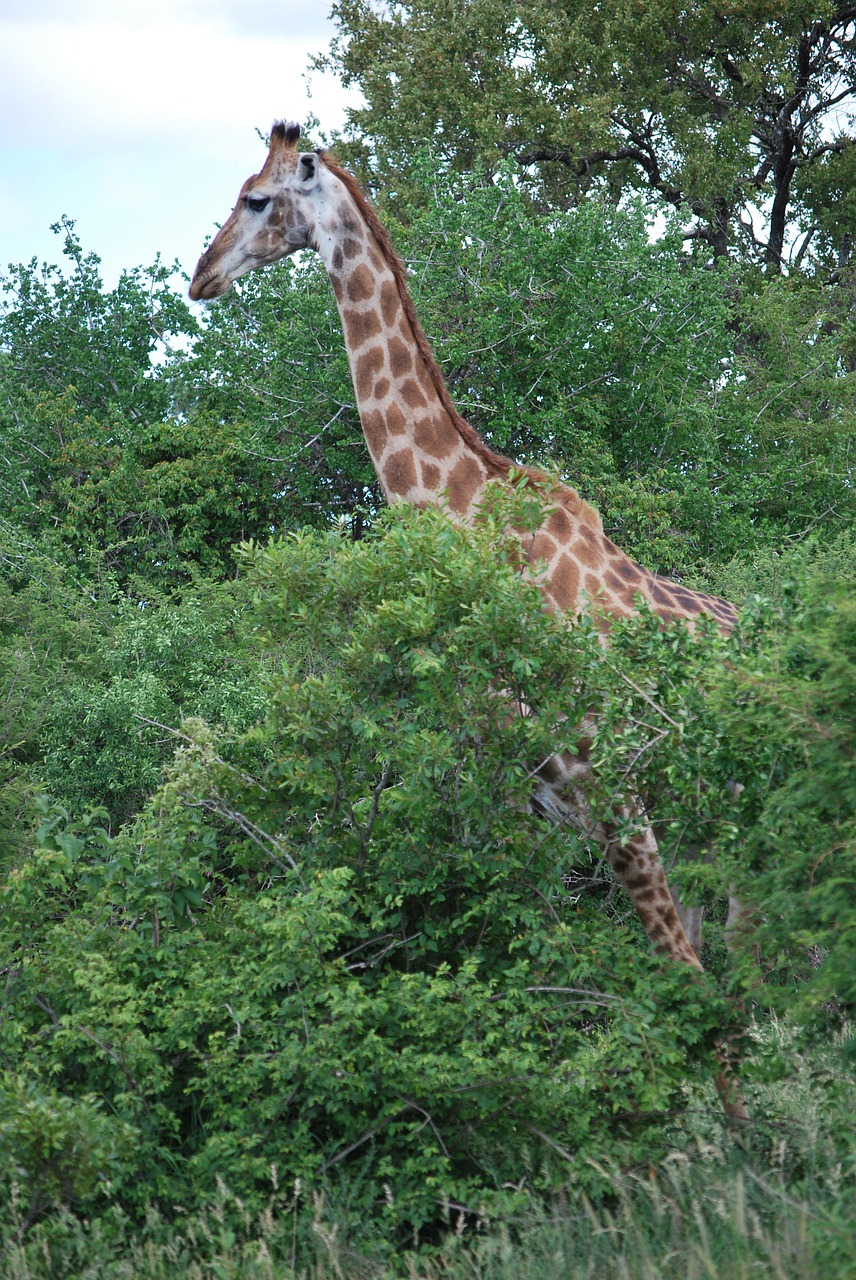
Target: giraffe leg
{"type": "Point", "coordinates": [636, 864]}
{"type": "Point", "coordinates": [637, 867]}
{"type": "Point", "coordinates": [692, 918]}
{"type": "Point", "coordinates": [728, 1087]}
{"type": "Point", "coordinates": [740, 919]}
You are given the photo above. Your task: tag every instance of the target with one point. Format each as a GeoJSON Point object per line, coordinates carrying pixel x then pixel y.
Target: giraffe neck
{"type": "Point", "coordinates": [422, 450]}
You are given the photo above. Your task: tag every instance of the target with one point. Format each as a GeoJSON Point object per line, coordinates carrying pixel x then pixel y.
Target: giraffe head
{"type": "Point", "coordinates": [276, 214]}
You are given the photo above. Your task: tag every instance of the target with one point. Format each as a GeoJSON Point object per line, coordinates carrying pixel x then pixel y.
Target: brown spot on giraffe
{"type": "Point", "coordinates": [412, 394]}
{"type": "Point", "coordinates": [400, 358]}
{"type": "Point", "coordinates": [360, 326]}
{"type": "Point", "coordinates": [551, 770]}
{"type": "Point", "coordinates": [559, 525]}
{"type": "Point", "coordinates": [564, 583]}
{"type": "Point", "coordinates": [543, 548]}
{"type": "Point", "coordinates": [390, 303]}
{"type": "Point", "coordinates": [368, 367]}
{"type": "Point", "coordinates": [615, 584]}
{"type": "Point", "coordinates": [592, 585]}
{"type": "Point", "coordinates": [629, 596]}
{"type": "Point", "coordinates": [361, 284]}
{"type": "Point", "coordinates": [375, 430]}
{"type": "Point", "coordinates": [400, 472]}
{"type": "Point", "coordinates": [431, 475]}
{"type": "Point", "coordinates": [436, 436]}
{"type": "Point", "coordinates": [395, 420]}
{"type": "Point", "coordinates": [628, 570]}
{"type": "Point", "coordinates": [586, 551]}
{"type": "Point", "coordinates": [466, 478]}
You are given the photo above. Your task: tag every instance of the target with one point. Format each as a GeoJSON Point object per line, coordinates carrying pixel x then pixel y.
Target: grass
{"type": "Point", "coordinates": [779, 1204]}
{"type": "Point", "coordinates": [733, 1225]}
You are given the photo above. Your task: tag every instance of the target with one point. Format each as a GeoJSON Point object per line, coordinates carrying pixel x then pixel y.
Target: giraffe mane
{"type": "Point", "coordinates": [497, 464]}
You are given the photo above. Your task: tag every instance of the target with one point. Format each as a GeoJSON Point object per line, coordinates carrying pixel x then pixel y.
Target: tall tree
{"type": "Point", "coordinates": [716, 108]}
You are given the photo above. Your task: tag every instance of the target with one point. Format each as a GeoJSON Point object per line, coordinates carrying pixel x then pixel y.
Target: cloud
{"type": "Point", "coordinates": [154, 68]}
{"type": "Point", "coordinates": [292, 19]}
{"type": "Point", "coordinates": [273, 18]}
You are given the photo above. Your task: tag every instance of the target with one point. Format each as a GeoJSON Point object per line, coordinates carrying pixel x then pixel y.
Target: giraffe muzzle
{"type": "Point", "coordinates": [207, 284]}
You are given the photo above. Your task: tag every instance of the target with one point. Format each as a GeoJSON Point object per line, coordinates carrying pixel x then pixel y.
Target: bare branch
{"type": "Point", "coordinates": [589, 997]}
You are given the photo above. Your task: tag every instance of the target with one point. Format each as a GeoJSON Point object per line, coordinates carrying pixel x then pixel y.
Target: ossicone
{"type": "Point", "coordinates": [285, 133]}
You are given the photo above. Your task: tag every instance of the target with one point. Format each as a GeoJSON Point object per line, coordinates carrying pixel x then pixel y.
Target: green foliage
{"type": "Point", "coordinates": [56, 1148]}
{"type": "Point", "coordinates": [108, 457]}
{"type": "Point", "coordinates": [701, 420]}
{"type": "Point", "coordinates": [368, 935]}
{"type": "Point", "coordinates": [791, 412]}
{"type": "Point", "coordinates": [341, 945]}
{"type": "Point", "coordinates": [603, 324]}
{"type": "Point", "coordinates": [47, 627]}
{"type": "Point", "coordinates": [65, 330]}
{"type": "Point", "coordinates": [115, 722]}
{"type": "Point", "coordinates": [145, 503]}
{"type": "Point", "coordinates": [94, 686]}
{"type": "Point", "coordinates": [828, 197]}
{"type": "Point", "coordinates": [713, 111]}
{"type": "Point", "coordinates": [271, 355]}
{"type": "Point", "coordinates": [709, 1212]}
{"type": "Point", "coordinates": [595, 348]}
{"type": "Point", "coordinates": [572, 339]}
{"type": "Point", "coordinates": [789, 710]}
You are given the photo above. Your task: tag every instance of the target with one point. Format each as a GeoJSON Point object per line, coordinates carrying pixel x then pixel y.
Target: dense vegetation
{"type": "Point", "coordinates": [293, 978]}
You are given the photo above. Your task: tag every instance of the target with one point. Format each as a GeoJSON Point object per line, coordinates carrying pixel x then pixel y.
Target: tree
{"type": "Point", "coordinates": [573, 339]}
{"type": "Point", "coordinates": [788, 706]}
{"type": "Point", "coordinates": [108, 457]}
{"type": "Point", "coordinates": [714, 109]}
{"type": "Point", "coordinates": [63, 329]}
{"type": "Point", "coordinates": [605, 373]}
{"type": "Point", "coordinates": [116, 720]}
{"type": "Point", "coordinates": [341, 943]}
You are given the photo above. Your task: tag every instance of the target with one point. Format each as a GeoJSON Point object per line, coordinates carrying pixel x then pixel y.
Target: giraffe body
{"type": "Point", "coordinates": [424, 452]}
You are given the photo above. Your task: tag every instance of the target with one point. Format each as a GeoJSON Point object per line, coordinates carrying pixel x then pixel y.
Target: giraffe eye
{"type": "Point", "coordinates": [258, 203]}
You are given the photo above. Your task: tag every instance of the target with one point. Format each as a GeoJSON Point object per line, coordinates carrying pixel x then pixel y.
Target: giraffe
{"type": "Point", "coordinates": [425, 452]}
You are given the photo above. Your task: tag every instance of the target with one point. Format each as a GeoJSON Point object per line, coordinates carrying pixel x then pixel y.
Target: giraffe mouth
{"type": "Point", "coordinates": [207, 286]}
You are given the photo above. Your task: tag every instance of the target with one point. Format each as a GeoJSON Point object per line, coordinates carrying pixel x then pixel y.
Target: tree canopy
{"type": "Point", "coordinates": [726, 112]}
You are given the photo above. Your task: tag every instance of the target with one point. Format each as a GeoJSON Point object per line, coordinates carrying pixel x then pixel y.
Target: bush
{"type": "Point", "coordinates": [341, 944]}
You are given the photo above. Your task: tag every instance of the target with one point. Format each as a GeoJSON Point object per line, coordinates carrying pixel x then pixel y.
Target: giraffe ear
{"type": "Point", "coordinates": [307, 167]}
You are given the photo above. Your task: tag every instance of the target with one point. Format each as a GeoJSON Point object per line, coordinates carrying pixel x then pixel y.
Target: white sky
{"type": "Point", "coordinates": [138, 118]}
